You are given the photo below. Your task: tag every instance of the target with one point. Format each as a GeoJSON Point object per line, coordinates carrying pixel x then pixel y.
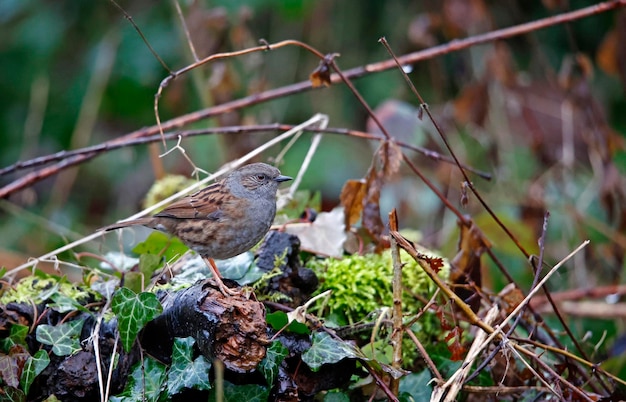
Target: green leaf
{"type": "Point", "coordinates": [65, 304]}
{"type": "Point", "coordinates": [12, 395]}
{"type": "Point", "coordinates": [34, 366]}
{"type": "Point", "coordinates": [133, 311]}
{"type": "Point", "coordinates": [327, 350]}
{"type": "Point", "coordinates": [417, 385]}
{"type": "Point", "coordinates": [336, 396]}
{"type": "Point", "coordinates": [48, 293]}
{"type": "Point", "coordinates": [18, 333]}
{"type": "Point", "coordinates": [17, 336]}
{"type": "Point", "coordinates": [238, 268]}
{"type": "Point", "coordinates": [148, 263]}
{"type": "Point", "coordinates": [279, 319]}
{"type": "Point", "coordinates": [157, 242]}
{"type": "Point", "coordinates": [185, 372]}
{"type": "Point", "coordinates": [144, 383]}
{"type": "Point", "coordinates": [274, 356]}
{"type": "Point", "coordinates": [64, 338]}
{"type": "Point", "coordinates": [238, 393]}
{"type": "Point", "coordinates": [134, 281]}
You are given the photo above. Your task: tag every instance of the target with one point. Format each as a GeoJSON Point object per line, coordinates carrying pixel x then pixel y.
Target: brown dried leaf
{"type": "Point", "coordinates": [607, 56]}
{"type": "Point", "coordinates": [321, 75]}
{"type": "Point", "coordinates": [455, 347]}
{"type": "Point", "coordinates": [466, 263]}
{"type": "Point", "coordinates": [362, 197]}
{"type": "Point", "coordinates": [436, 263]}
{"type": "Point", "coordinates": [445, 324]}
{"type": "Point", "coordinates": [511, 297]}
{"type": "Point", "coordinates": [351, 199]}
{"type": "Point", "coordinates": [390, 156]}
{"type": "Point", "coordinates": [472, 104]}
{"type": "Point", "coordinates": [371, 218]}
{"type": "Point", "coordinates": [464, 197]}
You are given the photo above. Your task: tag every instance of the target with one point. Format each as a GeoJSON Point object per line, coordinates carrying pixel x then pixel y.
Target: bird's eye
{"type": "Point", "coordinates": [260, 177]}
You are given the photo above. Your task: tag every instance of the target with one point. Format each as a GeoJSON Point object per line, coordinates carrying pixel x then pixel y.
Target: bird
{"type": "Point", "coordinates": [222, 220]}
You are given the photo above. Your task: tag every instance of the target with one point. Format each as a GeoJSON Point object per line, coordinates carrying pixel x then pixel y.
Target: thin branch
{"type": "Point", "coordinates": [300, 87]}
{"type": "Point", "coordinates": [132, 22]}
{"type": "Point", "coordinates": [314, 120]}
{"type": "Point", "coordinates": [396, 284]}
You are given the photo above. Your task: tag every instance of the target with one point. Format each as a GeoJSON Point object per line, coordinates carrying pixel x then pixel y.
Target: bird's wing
{"type": "Point", "coordinates": [204, 204]}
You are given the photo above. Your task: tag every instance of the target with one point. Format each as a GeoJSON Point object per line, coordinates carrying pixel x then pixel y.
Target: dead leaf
{"type": "Point", "coordinates": [325, 236]}
{"type": "Point", "coordinates": [441, 314]}
{"type": "Point", "coordinates": [511, 296]}
{"type": "Point", "coordinates": [351, 199]}
{"type": "Point", "coordinates": [455, 347]}
{"type": "Point", "coordinates": [321, 75]}
{"type": "Point", "coordinates": [362, 197]}
{"type": "Point", "coordinates": [465, 267]}
{"type": "Point", "coordinates": [371, 219]}
{"type": "Point", "coordinates": [464, 197]}
{"type": "Point", "coordinates": [390, 156]}
{"type": "Point", "coordinates": [608, 53]}
{"type": "Point", "coordinates": [472, 104]}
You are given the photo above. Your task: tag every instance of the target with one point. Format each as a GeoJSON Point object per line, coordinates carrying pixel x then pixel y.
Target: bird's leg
{"type": "Point", "coordinates": [226, 291]}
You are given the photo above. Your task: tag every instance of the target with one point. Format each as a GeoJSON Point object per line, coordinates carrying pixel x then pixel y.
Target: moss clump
{"type": "Point", "coordinates": [38, 289]}
{"type": "Point", "coordinates": [362, 284]}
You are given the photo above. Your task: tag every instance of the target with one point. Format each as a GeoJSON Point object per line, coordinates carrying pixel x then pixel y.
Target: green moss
{"type": "Point", "coordinates": [362, 284]}
{"type": "Point", "coordinates": [40, 289]}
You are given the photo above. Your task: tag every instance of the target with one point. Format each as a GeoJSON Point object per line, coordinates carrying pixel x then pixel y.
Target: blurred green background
{"type": "Point", "coordinates": [542, 112]}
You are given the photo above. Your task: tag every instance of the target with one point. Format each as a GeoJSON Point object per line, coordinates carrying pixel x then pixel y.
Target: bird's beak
{"type": "Point", "coordinates": [282, 178]}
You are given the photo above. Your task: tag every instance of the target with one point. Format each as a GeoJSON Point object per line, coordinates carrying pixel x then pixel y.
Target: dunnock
{"type": "Point", "coordinates": [224, 219]}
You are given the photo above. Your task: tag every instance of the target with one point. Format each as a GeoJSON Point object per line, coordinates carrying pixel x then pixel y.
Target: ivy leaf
{"type": "Point", "coordinates": [64, 338]}
{"type": "Point", "coordinates": [336, 396]}
{"type": "Point", "coordinates": [18, 333]}
{"type": "Point", "coordinates": [9, 370]}
{"type": "Point", "coordinates": [237, 267]}
{"type": "Point", "coordinates": [133, 311]}
{"type": "Point", "coordinates": [48, 292]}
{"type": "Point", "coordinates": [279, 319]}
{"type": "Point", "coordinates": [11, 394]}
{"type": "Point", "coordinates": [34, 366]}
{"type": "Point", "coordinates": [148, 263]}
{"type": "Point", "coordinates": [144, 383]}
{"type": "Point", "coordinates": [17, 336]}
{"type": "Point", "coordinates": [185, 372]}
{"type": "Point", "coordinates": [327, 350]}
{"type": "Point", "coordinates": [134, 281]}
{"type": "Point", "coordinates": [161, 244]}
{"type": "Point", "coordinates": [65, 304]}
{"type": "Point", "coordinates": [274, 356]}
{"type": "Point", "coordinates": [417, 385]}
{"type": "Point", "coordinates": [237, 393]}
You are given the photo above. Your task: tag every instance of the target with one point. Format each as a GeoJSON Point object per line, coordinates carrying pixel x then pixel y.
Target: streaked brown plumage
{"type": "Point", "coordinates": [224, 219]}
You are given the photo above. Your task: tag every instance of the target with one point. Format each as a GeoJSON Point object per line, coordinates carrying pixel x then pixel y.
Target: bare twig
{"type": "Point", "coordinates": [396, 284]}
{"type": "Point", "coordinates": [314, 120]}
{"type": "Point", "coordinates": [357, 72]}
